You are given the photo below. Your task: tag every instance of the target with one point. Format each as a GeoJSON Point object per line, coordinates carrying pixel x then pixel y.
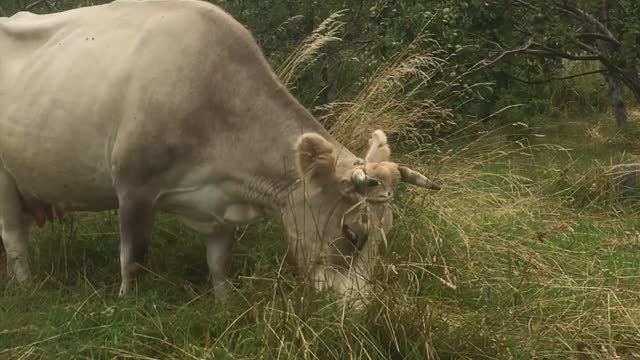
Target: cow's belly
{"type": "Point", "coordinates": [67, 165]}
{"type": "Point", "coordinates": [60, 104]}
{"type": "Point", "coordinates": [68, 183]}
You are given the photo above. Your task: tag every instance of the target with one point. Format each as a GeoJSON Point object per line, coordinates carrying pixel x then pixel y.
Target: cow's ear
{"type": "Point", "coordinates": [378, 148]}
{"type": "Point", "coordinates": [315, 159]}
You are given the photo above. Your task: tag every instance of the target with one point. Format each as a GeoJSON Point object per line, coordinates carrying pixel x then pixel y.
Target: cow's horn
{"type": "Point", "coordinates": [413, 177]}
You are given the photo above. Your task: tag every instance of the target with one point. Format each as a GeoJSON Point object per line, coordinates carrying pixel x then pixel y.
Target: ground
{"type": "Point", "coordinates": [525, 253]}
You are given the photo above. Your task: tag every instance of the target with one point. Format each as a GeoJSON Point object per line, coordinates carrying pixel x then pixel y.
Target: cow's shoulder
{"type": "Point", "coordinates": [207, 26]}
{"type": "Point", "coordinates": [210, 15]}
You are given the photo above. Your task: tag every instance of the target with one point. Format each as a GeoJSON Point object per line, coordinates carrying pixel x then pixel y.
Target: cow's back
{"type": "Point", "coordinates": [75, 80]}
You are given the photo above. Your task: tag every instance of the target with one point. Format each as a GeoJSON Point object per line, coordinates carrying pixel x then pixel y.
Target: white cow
{"type": "Point", "coordinates": [170, 105]}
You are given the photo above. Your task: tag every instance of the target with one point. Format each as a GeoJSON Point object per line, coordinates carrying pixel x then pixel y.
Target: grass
{"type": "Point", "coordinates": [505, 262]}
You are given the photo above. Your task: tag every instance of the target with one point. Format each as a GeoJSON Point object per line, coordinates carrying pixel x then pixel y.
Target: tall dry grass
{"type": "Point", "coordinates": [310, 49]}
{"type": "Point", "coordinates": [409, 96]}
{"type": "Point", "coordinates": [387, 100]}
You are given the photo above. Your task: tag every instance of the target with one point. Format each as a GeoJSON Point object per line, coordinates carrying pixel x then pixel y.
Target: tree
{"type": "Point", "coordinates": [590, 30]}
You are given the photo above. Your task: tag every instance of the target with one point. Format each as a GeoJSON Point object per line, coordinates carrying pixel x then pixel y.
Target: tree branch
{"type": "Point", "coordinates": [606, 61]}
{"type": "Point", "coordinates": [488, 62]}
{"type": "Point", "coordinates": [541, 50]}
{"type": "Point", "coordinates": [557, 78]}
{"type": "Point", "coordinates": [526, 4]}
{"type": "Point", "coordinates": [544, 53]}
{"type": "Point", "coordinates": [33, 4]}
{"type": "Point", "coordinates": [494, 43]}
{"type": "Point", "coordinates": [598, 36]}
{"type": "Point", "coordinates": [579, 13]}
{"type": "Point", "coordinates": [586, 47]}
{"type": "Point", "coordinates": [48, 5]}
{"type": "Point", "coordinates": [534, 49]}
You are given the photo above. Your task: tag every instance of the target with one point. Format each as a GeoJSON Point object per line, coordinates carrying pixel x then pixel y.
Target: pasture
{"type": "Point", "coordinates": [527, 252]}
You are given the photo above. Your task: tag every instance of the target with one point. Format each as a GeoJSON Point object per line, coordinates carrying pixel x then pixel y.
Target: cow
{"type": "Point", "coordinates": [170, 106]}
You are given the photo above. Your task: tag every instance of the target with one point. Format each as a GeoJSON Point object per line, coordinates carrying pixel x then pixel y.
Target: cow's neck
{"type": "Point", "coordinates": [276, 176]}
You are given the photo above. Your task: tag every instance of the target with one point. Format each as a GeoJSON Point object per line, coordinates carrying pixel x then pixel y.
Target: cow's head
{"type": "Point", "coordinates": [341, 208]}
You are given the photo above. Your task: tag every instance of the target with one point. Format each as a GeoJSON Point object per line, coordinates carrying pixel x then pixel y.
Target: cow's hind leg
{"type": "Point", "coordinates": [136, 213]}
{"type": "Point", "coordinates": [14, 228]}
{"type": "Point", "coordinates": [219, 252]}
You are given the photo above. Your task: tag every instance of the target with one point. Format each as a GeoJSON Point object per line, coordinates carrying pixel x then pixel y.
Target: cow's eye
{"type": "Point", "coordinates": [372, 182]}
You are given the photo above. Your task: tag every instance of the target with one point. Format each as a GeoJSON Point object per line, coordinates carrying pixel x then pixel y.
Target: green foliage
{"type": "Point", "coordinates": [550, 35]}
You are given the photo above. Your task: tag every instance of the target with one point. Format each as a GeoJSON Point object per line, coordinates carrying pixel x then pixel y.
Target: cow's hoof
{"type": "Point", "coordinates": [125, 289]}
{"type": "Point", "coordinates": [221, 291]}
{"type": "Point", "coordinates": [18, 270]}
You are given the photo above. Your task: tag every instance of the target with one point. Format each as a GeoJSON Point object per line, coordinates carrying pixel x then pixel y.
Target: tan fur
{"type": "Point", "coordinates": [385, 171]}
{"type": "Point", "coordinates": [378, 148]}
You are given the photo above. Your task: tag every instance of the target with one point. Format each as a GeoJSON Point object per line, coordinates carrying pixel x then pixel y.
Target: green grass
{"type": "Point", "coordinates": [521, 256]}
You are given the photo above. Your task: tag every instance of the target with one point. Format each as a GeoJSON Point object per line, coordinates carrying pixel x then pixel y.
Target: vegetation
{"type": "Point", "coordinates": [528, 252]}
{"type": "Point", "coordinates": [576, 31]}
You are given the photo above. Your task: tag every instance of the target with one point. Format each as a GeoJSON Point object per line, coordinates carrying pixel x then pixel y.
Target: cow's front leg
{"type": "Point", "coordinates": [219, 253]}
{"type": "Point", "coordinates": [14, 229]}
{"type": "Point", "coordinates": [15, 241]}
{"type": "Point", "coordinates": [136, 213]}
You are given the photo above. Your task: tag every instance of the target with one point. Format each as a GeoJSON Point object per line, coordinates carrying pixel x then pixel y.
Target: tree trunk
{"type": "Point", "coordinates": [616, 92]}
{"type": "Point", "coordinates": [616, 80]}
{"type": "Point", "coordinates": [631, 79]}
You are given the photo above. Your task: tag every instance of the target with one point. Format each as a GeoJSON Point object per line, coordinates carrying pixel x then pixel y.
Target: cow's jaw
{"type": "Point", "coordinates": [353, 282]}
{"type": "Point", "coordinates": [310, 233]}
